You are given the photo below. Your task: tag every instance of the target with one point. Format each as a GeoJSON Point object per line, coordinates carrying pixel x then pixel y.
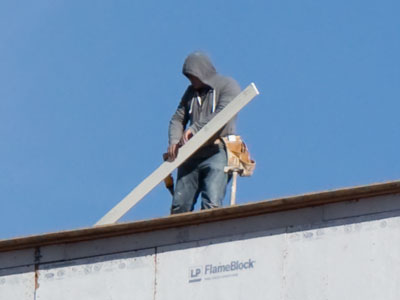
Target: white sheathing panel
{"type": "Point", "coordinates": [358, 260]}
{"type": "Point", "coordinates": [222, 269]}
{"type": "Point", "coordinates": [17, 284]}
{"type": "Point", "coordinates": [123, 276]}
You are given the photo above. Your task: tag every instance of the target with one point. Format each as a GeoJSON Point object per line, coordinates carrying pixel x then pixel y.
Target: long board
{"type": "Point", "coordinates": [184, 153]}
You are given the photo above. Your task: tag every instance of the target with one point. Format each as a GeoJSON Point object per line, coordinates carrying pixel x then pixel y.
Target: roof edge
{"type": "Point", "coordinates": [204, 216]}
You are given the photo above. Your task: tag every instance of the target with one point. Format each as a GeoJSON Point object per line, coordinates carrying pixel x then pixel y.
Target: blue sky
{"type": "Point", "coordinates": [88, 88]}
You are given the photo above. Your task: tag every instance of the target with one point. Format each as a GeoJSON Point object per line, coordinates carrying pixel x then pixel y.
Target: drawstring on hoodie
{"type": "Point", "coordinates": [191, 106]}
{"type": "Point", "coordinates": [198, 98]}
{"type": "Point", "coordinates": [199, 101]}
{"type": "Point", "coordinates": [213, 106]}
{"type": "Point", "coordinates": [191, 103]}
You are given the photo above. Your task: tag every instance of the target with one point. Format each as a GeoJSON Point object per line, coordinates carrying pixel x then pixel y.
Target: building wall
{"type": "Point", "coordinates": [347, 250]}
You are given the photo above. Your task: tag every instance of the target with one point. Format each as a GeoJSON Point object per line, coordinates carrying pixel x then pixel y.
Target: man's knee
{"type": "Point", "coordinates": [213, 197]}
{"type": "Point", "coordinates": [181, 202]}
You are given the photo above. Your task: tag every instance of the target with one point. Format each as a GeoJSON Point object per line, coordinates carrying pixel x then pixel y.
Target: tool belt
{"type": "Point", "coordinates": [238, 155]}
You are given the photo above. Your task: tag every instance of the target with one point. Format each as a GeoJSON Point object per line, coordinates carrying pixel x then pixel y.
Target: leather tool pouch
{"type": "Point", "coordinates": [239, 155]}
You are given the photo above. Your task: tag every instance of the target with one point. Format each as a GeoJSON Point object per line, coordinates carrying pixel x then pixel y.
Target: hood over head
{"type": "Point", "coordinates": [199, 64]}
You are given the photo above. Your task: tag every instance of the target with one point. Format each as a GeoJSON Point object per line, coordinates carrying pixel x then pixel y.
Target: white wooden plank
{"type": "Point", "coordinates": [185, 152]}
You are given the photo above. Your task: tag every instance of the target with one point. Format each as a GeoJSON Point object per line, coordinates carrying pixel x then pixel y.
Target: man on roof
{"type": "Point", "coordinates": [203, 173]}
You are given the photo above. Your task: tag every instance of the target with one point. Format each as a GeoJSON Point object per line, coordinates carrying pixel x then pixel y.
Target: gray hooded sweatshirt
{"type": "Point", "coordinates": [199, 107]}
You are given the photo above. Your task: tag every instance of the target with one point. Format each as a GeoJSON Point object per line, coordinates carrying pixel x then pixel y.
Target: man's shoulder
{"type": "Point", "coordinates": [226, 83]}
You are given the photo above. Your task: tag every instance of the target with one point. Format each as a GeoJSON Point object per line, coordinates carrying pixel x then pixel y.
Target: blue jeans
{"type": "Point", "coordinates": [203, 173]}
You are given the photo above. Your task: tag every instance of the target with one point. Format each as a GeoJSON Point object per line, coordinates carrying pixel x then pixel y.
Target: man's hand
{"type": "Point", "coordinates": [172, 152]}
{"type": "Point", "coordinates": [185, 137]}
{"type": "Point", "coordinates": [173, 149]}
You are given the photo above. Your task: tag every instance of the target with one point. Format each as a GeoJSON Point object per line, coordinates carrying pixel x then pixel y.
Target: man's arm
{"type": "Point", "coordinates": [176, 127]}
